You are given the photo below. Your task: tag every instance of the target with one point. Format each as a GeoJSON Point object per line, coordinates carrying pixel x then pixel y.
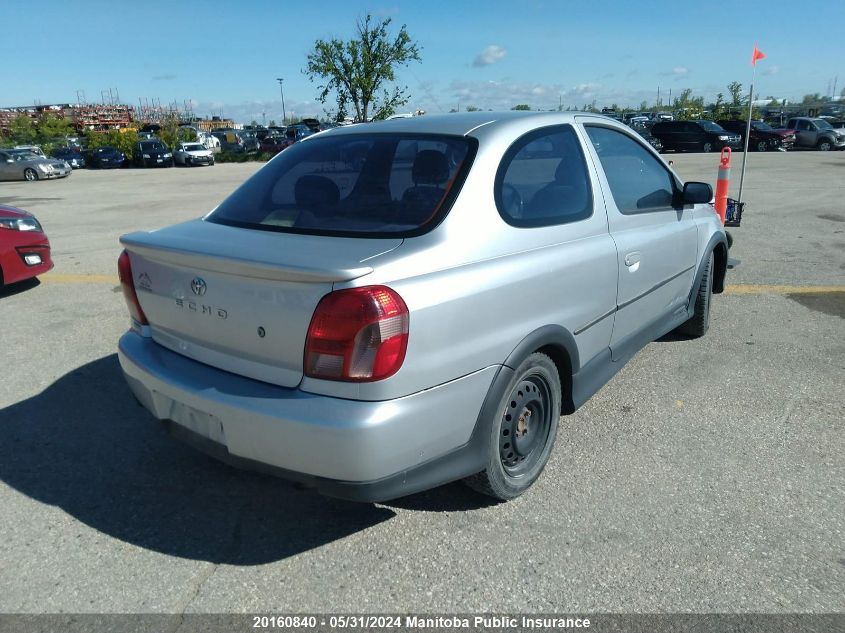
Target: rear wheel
{"type": "Point", "coordinates": [762, 146]}
{"type": "Point", "coordinates": [523, 436]}
{"type": "Point", "coordinates": [700, 321]}
{"type": "Point", "coordinates": [30, 174]}
{"type": "Point", "coordinates": [824, 145]}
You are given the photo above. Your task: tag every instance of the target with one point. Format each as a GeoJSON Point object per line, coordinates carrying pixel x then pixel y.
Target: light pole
{"type": "Point", "coordinates": [282, 90]}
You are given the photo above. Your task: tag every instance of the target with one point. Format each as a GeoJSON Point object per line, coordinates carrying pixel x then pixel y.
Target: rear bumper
{"type": "Point", "coordinates": [366, 451]}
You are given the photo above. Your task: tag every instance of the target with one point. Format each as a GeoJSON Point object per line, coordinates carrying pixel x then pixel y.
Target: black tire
{"type": "Point", "coordinates": [700, 322]}
{"type": "Point", "coordinates": [29, 174]}
{"type": "Point", "coordinates": [824, 145]}
{"type": "Point", "coordinates": [761, 146]}
{"type": "Point", "coordinates": [523, 436]}
{"type": "Point", "coordinates": [707, 147]}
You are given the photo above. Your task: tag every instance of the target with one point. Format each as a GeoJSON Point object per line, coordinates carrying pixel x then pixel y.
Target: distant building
{"type": "Point", "coordinates": [83, 116]}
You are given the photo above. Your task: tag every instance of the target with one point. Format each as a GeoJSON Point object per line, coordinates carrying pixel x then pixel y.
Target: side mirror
{"type": "Point", "coordinates": [697, 193]}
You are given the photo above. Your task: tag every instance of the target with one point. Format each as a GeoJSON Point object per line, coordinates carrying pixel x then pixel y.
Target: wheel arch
{"type": "Point", "coordinates": [557, 343]}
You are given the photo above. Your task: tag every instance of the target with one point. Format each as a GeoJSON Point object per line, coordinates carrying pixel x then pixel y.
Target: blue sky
{"type": "Point", "coordinates": [225, 56]}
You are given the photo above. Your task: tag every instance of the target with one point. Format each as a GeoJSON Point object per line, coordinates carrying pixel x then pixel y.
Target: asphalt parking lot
{"type": "Point", "coordinates": [708, 476]}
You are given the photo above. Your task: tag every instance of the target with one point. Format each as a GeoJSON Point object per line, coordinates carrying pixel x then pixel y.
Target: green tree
{"type": "Point", "coordinates": [22, 130]}
{"type": "Point", "coordinates": [813, 99]}
{"type": "Point", "coordinates": [717, 109]}
{"type": "Point", "coordinates": [124, 140]}
{"type": "Point", "coordinates": [473, 109]}
{"type": "Point", "coordinates": [52, 132]}
{"type": "Point", "coordinates": [735, 90]}
{"type": "Point", "coordinates": [687, 106]}
{"type": "Point", "coordinates": [172, 134]}
{"type": "Point", "coordinates": [355, 71]}
{"type": "Point", "coordinates": [522, 107]}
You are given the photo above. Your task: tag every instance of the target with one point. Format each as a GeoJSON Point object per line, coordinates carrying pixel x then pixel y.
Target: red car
{"type": "Point", "coordinates": [24, 248]}
{"type": "Point", "coordinates": [274, 144]}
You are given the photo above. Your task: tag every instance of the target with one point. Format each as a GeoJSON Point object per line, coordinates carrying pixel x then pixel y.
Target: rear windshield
{"type": "Point", "coordinates": [353, 184]}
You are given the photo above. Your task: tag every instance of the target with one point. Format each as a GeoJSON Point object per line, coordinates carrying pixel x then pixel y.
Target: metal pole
{"type": "Point", "coordinates": [282, 91]}
{"type": "Point", "coordinates": [747, 134]}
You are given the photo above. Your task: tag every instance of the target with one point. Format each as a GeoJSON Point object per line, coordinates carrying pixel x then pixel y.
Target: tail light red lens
{"type": "Point", "coordinates": [124, 271]}
{"type": "Point", "coordinates": [357, 335]}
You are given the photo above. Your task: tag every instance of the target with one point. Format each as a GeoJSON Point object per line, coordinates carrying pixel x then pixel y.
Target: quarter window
{"type": "Point", "coordinates": [638, 181]}
{"type": "Point", "coordinates": [543, 180]}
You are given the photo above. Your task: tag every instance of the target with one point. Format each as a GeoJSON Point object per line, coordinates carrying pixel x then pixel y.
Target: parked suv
{"type": "Point", "coordinates": [385, 308]}
{"type": "Point", "coordinates": [763, 136]}
{"type": "Point", "coordinates": [694, 136]}
{"type": "Point", "coordinates": [816, 133]}
{"type": "Point", "coordinates": [152, 153]}
{"type": "Point", "coordinates": [236, 141]}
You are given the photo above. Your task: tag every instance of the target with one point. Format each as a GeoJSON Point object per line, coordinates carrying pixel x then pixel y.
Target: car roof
{"type": "Point", "coordinates": [459, 123]}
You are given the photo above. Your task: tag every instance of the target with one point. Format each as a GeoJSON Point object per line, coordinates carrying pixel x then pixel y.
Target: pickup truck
{"type": "Point", "coordinates": [815, 133]}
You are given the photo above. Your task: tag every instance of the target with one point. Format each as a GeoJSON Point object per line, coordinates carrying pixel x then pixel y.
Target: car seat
{"type": "Point", "coordinates": [567, 197]}
{"type": "Point", "coordinates": [429, 173]}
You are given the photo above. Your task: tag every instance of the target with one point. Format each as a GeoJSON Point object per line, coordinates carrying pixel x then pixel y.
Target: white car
{"type": "Point", "coordinates": [191, 154]}
{"type": "Point", "coordinates": [210, 141]}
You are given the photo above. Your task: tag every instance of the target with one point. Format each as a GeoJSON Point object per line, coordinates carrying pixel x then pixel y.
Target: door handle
{"type": "Point", "coordinates": [632, 258]}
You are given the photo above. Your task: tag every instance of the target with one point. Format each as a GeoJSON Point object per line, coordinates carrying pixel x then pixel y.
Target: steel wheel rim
{"type": "Point", "coordinates": [29, 175]}
{"type": "Point", "coordinates": [707, 148]}
{"type": "Point", "coordinates": [525, 425]}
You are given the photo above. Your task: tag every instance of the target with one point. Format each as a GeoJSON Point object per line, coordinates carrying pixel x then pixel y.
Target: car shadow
{"type": "Point", "coordinates": [19, 287]}
{"type": "Point", "coordinates": [454, 497]}
{"type": "Point", "coordinates": [86, 446]}
{"type": "Point", "coordinates": [675, 337]}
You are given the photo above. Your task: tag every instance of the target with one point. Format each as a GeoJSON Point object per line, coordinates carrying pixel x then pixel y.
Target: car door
{"type": "Point", "coordinates": [656, 241]}
{"type": "Point", "coordinates": [563, 269]}
{"type": "Point", "coordinates": [5, 166]}
{"type": "Point", "coordinates": [805, 133]}
{"type": "Point", "coordinates": [694, 136]}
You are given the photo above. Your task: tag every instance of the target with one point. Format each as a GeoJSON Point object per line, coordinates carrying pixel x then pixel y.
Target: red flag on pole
{"type": "Point", "coordinates": [757, 54]}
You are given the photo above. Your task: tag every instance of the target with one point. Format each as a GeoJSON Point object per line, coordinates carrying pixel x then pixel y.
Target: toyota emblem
{"type": "Point", "coordinates": [198, 286]}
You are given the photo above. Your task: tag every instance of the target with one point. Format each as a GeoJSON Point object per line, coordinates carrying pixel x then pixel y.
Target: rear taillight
{"type": "Point", "coordinates": [358, 334]}
{"type": "Point", "coordinates": [124, 271]}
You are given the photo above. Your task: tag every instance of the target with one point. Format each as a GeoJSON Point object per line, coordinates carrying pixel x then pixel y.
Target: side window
{"type": "Point", "coordinates": [542, 180]}
{"type": "Point", "coordinates": [802, 126]}
{"type": "Point", "coordinates": [638, 181]}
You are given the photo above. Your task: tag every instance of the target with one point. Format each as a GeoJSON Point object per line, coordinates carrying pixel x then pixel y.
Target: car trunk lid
{"type": "Point", "coordinates": [241, 299]}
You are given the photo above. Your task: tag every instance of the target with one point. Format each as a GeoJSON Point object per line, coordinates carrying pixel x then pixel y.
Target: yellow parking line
{"type": "Point", "coordinates": [734, 289]}
{"type": "Point", "coordinates": [774, 289]}
{"type": "Point", "coordinates": [59, 278]}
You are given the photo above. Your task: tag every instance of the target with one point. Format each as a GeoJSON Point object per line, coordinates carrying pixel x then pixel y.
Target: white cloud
{"type": "Point", "coordinates": [258, 110]}
{"type": "Point", "coordinates": [771, 70]}
{"type": "Point", "coordinates": [489, 55]}
{"type": "Point", "coordinates": [584, 89]}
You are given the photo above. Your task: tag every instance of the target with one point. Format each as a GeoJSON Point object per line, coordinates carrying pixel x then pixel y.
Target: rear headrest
{"type": "Point", "coordinates": [312, 191]}
{"type": "Point", "coordinates": [430, 168]}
